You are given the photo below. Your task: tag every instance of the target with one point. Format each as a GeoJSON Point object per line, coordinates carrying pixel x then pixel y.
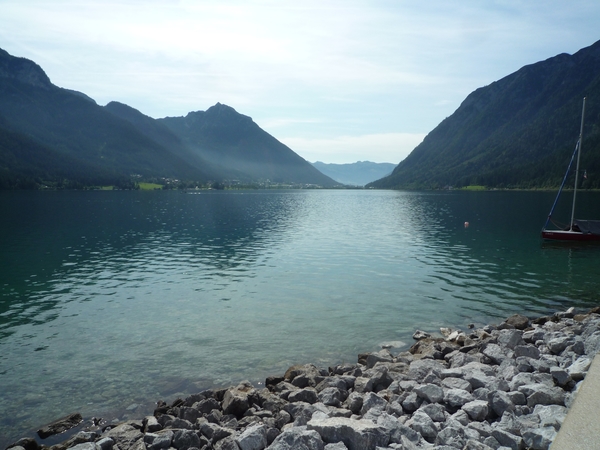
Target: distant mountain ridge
{"type": "Point", "coordinates": [55, 136]}
{"type": "Point", "coordinates": [355, 174]}
{"type": "Point", "coordinates": [517, 132]}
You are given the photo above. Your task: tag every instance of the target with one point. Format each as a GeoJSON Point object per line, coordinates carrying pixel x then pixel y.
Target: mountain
{"type": "Point", "coordinates": [355, 174]}
{"type": "Point", "coordinates": [225, 138]}
{"type": "Point", "coordinates": [84, 140]}
{"type": "Point", "coordinates": [517, 132]}
{"type": "Point", "coordinates": [60, 137]}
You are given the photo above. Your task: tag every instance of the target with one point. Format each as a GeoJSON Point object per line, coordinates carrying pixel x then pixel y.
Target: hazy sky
{"type": "Point", "coordinates": [337, 81]}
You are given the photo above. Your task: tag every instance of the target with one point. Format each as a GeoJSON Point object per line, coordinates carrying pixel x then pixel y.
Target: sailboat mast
{"type": "Point", "coordinates": [578, 159]}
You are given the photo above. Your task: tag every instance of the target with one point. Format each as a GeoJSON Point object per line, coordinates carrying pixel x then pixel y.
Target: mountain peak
{"type": "Point", "coordinates": [23, 70]}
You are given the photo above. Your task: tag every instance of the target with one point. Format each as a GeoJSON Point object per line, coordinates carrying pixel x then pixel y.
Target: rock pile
{"type": "Point", "coordinates": [498, 387]}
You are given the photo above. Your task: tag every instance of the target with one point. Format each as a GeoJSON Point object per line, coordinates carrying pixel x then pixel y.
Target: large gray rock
{"type": "Point", "coordinates": [371, 401]}
{"type": "Point", "coordinates": [495, 353]}
{"type": "Point", "coordinates": [541, 394]}
{"type": "Point", "coordinates": [456, 383]}
{"type": "Point", "coordinates": [434, 410]}
{"type": "Point", "coordinates": [451, 436]}
{"type": "Point", "coordinates": [85, 446]}
{"type": "Point", "coordinates": [297, 439]}
{"type": "Point", "coordinates": [124, 435]}
{"type": "Point", "coordinates": [507, 439]}
{"type": "Point", "coordinates": [380, 356]}
{"type": "Point", "coordinates": [354, 402]}
{"type": "Point", "coordinates": [336, 446]}
{"type": "Point", "coordinates": [539, 438]}
{"type": "Point", "coordinates": [226, 444]}
{"type": "Point", "coordinates": [412, 402]}
{"type": "Point", "coordinates": [477, 409]}
{"type": "Point", "coordinates": [592, 344]}
{"type": "Point", "coordinates": [579, 368]}
{"type": "Point", "coordinates": [500, 402]}
{"type": "Point", "coordinates": [307, 395]}
{"type": "Point", "coordinates": [550, 415]}
{"type": "Point", "coordinates": [355, 434]}
{"type": "Point", "coordinates": [518, 321]}
{"type": "Point", "coordinates": [214, 432]}
{"type": "Point", "coordinates": [510, 338]}
{"type": "Point", "coordinates": [253, 438]}
{"type": "Point", "coordinates": [430, 392]}
{"type": "Point", "coordinates": [332, 396]}
{"type": "Point", "coordinates": [235, 400]}
{"type": "Point", "coordinates": [185, 439]}
{"type": "Point", "coordinates": [457, 397]}
{"type": "Point", "coordinates": [423, 424]}
{"type": "Point", "coordinates": [529, 351]}
{"type": "Point", "coordinates": [105, 444]}
{"type": "Point", "coordinates": [473, 444]}
{"type": "Point", "coordinates": [159, 441]}
{"type": "Point", "coordinates": [419, 369]}
{"type": "Point", "coordinates": [396, 430]}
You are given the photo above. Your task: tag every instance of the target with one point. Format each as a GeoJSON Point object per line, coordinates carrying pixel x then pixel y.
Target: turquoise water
{"type": "Point", "coordinates": [113, 300]}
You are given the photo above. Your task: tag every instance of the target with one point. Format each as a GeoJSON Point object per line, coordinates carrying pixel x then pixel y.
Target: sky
{"type": "Point", "coordinates": [336, 81]}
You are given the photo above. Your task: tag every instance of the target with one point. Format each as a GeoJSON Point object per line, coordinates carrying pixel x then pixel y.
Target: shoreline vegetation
{"type": "Point", "coordinates": [500, 386]}
{"type": "Point", "coordinates": [194, 186]}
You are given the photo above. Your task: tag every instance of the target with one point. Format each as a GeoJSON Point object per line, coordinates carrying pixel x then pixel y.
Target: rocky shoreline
{"type": "Point", "coordinates": [497, 387]}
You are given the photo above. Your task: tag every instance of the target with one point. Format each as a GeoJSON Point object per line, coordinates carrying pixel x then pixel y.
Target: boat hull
{"type": "Point", "coordinates": [565, 235]}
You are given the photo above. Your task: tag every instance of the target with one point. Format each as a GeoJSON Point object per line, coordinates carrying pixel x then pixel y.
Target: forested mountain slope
{"type": "Point", "coordinates": [225, 138]}
{"type": "Point", "coordinates": [517, 132]}
{"type": "Point", "coordinates": [50, 136]}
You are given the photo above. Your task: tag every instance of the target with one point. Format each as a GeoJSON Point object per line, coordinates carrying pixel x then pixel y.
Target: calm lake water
{"type": "Point", "coordinates": [110, 301]}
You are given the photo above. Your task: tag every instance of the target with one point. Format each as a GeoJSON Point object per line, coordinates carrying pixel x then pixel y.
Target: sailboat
{"type": "Point", "coordinates": [577, 230]}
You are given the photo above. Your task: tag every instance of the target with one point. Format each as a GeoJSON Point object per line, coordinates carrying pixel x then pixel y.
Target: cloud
{"type": "Point", "coordinates": [383, 147]}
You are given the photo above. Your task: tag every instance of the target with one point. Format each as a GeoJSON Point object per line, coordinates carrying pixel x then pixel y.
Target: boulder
{"type": "Point", "coordinates": [124, 435]}
{"type": "Point", "coordinates": [396, 429]}
{"type": "Point", "coordinates": [507, 439]}
{"type": "Point", "coordinates": [332, 396]}
{"type": "Point", "coordinates": [518, 321]}
{"type": "Point", "coordinates": [456, 383]}
{"type": "Point", "coordinates": [355, 434]}
{"type": "Point", "coordinates": [501, 402]}
{"type": "Point", "coordinates": [235, 400]}
{"type": "Point", "coordinates": [510, 338]}
{"type": "Point", "coordinates": [434, 410]}
{"type": "Point", "coordinates": [495, 353]}
{"type": "Point", "coordinates": [452, 437]}
{"type": "Point", "coordinates": [336, 446]}
{"type": "Point", "coordinates": [477, 409]}
{"type": "Point", "coordinates": [298, 438]}
{"type": "Point", "coordinates": [372, 401]}
{"type": "Point", "coordinates": [185, 439]}
{"type": "Point", "coordinates": [419, 335]}
{"type": "Point", "coordinates": [253, 438]}
{"type": "Point", "coordinates": [226, 444]}
{"type": "Point", "coordinates": [457, 397]}
{"type": "Point", "coordinates": [539, 438]}
{"type": "Point", "coordinates": [307, 395]}
{"type": "Point", "coordinates": [60, 425]}
{"type": "Point", "coordinates": [423, 424]}
{"type": "Point", "coordinates": [380, 356]}
{"type": "Point", "coordinates": [579, 368]}
{"type": "Point", "coordinates": [430, 392]}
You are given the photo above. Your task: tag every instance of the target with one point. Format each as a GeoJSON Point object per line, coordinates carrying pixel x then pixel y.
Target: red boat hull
{"type": "Point", "coordinates": [560, 235]}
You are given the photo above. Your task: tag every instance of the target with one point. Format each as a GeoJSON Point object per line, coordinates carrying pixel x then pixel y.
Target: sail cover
{"type": "Point", "coordinates": [588, 226]}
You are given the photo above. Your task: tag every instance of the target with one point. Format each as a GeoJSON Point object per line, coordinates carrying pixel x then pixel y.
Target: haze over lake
{"type": "Point", "coordinates": [110, 300]}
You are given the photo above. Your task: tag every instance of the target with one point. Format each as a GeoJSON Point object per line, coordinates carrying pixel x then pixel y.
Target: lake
{"type": "Point", "coordinates": [111, 300]}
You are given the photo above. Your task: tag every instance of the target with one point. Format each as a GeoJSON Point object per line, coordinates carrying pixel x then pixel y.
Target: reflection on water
{"type": "Point", "coordinates": [109, 299]}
